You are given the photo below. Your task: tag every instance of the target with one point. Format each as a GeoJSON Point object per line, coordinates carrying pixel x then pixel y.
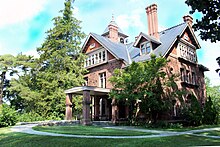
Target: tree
{"type": "Point", "coordinates": [218, 61]}
{"type": "Point", "coordinates": [214, 93]}
{"type": "Point", "coordinates": [209, 25]}
{"type": "Point", "coordinates": [11, 65]}
{"type": "Point", "coordinates": [143, 81]}
{"type": "Point", "coordinates": [60, 67]}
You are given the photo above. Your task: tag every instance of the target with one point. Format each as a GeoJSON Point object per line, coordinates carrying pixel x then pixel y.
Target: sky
{"type": "Point", "coordinates": [23, 23]}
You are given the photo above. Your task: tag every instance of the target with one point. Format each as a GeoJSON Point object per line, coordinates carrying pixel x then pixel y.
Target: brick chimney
{"type": "Point", "coordinates": [152, 20]}
{"type": "Point", "coordinates": [113, 30]}
{"type": "Point", "coordinates": [188, 19]}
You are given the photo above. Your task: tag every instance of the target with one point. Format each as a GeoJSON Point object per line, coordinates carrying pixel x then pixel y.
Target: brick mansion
{"type": "Point", "coordinates": [108, 51]}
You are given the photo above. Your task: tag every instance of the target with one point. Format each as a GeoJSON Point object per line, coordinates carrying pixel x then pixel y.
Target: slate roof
{"type": "Point", "coordinates": [120, 51]}
{"type": "Point", "coordinates": [167, 38]}
{"type": "Point", "coordinates": [117, 49]}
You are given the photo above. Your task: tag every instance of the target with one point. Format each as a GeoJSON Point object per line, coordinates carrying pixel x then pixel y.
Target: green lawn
{"type": "Point", "coordinates": [8, 138]}
{"type": "Point", "coordinates": [211, 133]}
{"type": "Point", "coordinates": [88, 130]}
{"type": "Point", "coordinates": [182, 129]}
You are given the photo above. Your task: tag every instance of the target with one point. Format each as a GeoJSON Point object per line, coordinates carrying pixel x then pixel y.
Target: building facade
{"type": "Point", "coordinates": [109, 51]}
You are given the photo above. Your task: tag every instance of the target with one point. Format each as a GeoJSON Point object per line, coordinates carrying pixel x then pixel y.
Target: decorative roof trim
{"type": "Point", "coordinates": [91, 35]}
{"type": "Point", "coordinates": [150, 38]}
{"type": "Point", "coordinates": [193, 34]}
{"type": "Point", "coordinates": [174, 42]}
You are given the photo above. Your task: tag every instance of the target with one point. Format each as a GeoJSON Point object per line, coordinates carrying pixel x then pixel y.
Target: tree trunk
{"type": "Point", "coordinates": [2, 86]}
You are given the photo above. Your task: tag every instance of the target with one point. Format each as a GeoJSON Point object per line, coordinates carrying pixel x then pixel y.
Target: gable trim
{"type": "Point", "coordinates": [91, 35]}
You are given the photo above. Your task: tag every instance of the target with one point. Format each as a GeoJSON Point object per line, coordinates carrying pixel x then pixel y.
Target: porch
{"type": "Point", "coordinates": [97, 106]}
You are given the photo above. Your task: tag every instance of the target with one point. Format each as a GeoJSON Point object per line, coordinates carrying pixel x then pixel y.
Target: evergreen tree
{"type": "Point", "coordinates": [61, 61]}
{"type": "Point", "coordinates": [59, 67]}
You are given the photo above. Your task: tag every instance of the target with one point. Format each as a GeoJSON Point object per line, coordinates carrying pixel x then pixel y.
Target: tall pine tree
{"type": "Point", "coordinates": [61, 61]}
{"type": "Point", "coordinates": [59, 67]}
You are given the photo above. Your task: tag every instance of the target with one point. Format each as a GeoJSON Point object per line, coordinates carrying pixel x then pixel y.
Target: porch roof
{"type": "Point", "coordinates": [93, 90]}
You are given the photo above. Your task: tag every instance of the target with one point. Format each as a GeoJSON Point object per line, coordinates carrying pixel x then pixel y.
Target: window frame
{"type": "Point", "coordinates": [97, 57]}
{"type": "Point", "coordinates": [102, 80]}
{"type": "Point", "coordinates": [145, 48]}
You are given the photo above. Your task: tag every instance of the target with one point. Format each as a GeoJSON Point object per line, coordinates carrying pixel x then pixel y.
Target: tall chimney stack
{"type": "Point", "coordinates": [188, 19]}
{"type": "Point", "coordinates": [152, 20]}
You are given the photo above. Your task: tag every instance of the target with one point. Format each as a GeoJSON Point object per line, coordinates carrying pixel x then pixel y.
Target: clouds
{"type": "Point", "coordinates": [126, 21]}
{"type": "Point", "coordinates": [23, 23]}
{"type": "Point", "coordinates": [17, 11]}
{"type": "Point", "coordinates": [208, 54]}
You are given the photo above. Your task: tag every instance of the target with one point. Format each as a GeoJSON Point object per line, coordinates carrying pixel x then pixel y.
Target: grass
{"type": "Point", "coordinates": [210, 133]}
{"type": "Point", "coordinates": [8, 138]}
{"type": "Point", "coordinates": [89, 130]}
{"type": "Point", "coordinates": [183, 129]}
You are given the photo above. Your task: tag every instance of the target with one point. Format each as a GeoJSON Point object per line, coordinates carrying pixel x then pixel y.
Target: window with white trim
{"type": "Point", "coordinates": [145, 48]}
{"type": "Point", "coordinates": [102, 80]}
{"type": "Point", "coordinates": [96, 57]}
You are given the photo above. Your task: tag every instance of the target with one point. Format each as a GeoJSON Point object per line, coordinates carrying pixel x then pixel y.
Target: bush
{"type": "Point", "coordinates": [210, 114]}
{"type": "Point", "coordinates": [8, 116]}
{"type": "Point", "coordinates": [33, 116]}
{"type": "Point", "coordinates": [192, 113]}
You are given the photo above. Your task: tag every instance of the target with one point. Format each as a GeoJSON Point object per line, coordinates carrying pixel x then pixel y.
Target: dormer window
{"type": "Point", "coordinates": [145, 48]}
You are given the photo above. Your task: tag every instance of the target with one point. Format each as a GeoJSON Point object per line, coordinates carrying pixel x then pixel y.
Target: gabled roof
{"type": "Point", "coordinates": [167, 39]}
{"type": "Point", "coordinates": [148, 37]}
{"type": "Point", "coordinates": [130, 52]}
{"type": "Point", "coordinates": [118, 50]}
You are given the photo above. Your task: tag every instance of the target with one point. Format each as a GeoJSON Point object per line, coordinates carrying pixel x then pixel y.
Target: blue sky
{"type": "Point", "coordinates": [23, 23]}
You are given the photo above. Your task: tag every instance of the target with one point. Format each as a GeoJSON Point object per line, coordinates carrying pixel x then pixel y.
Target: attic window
{"type": "Point", "coordinates": [92, 45]}
{"type": "Point", "coordinates": [145, 48]}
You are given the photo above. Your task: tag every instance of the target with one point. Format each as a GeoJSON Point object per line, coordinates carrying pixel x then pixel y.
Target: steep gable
{"type": "Point", "coordinates": [117, 50]}
{"type": "Point", "coordinates": [91, 45]}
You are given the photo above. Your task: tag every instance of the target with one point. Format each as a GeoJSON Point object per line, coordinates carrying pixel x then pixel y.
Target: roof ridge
{"type": "Point", "coordinates": [172, 27]}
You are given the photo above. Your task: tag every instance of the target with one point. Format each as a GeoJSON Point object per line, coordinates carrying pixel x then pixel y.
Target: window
{"type": "Point", "coordinates": [86, 81]}
{"type": "Point", "coordinates": [145, 48]}
{"type": "Point", "coordinates": [102, 80]}
{"type": "Point", "coordinates": [97, 57]}
{"type": "Point", "coordinates": [103, 55]}
{"type": "Point", "coordinates": [182, 75]}
{"type": "Point", "coordinates": [187, 77]}
{"type": "Point", "coordinates": [193, 78]}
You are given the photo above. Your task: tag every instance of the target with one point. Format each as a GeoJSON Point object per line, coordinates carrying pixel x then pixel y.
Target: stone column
{"type": "Point", "coordinates": [86, 108]}
{"type": "Point", "coordinates": [97, 108]}
{"type": "Point", "coordinates": [114, 111]}
{"type": "Point", "coordinates": [68, 115]}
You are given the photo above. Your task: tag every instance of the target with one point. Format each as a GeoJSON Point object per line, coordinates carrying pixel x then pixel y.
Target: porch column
{"type": "Point", "coordinates": [68, 115]}
{"type": "Point", "coordinates": [114, 111]}
{"type": "Point", "coordinates": [86, 108]}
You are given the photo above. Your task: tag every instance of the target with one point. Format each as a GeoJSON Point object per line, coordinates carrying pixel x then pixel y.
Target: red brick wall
{"type": "Point", "coordinates": [199, 91]}
{"type": "Point", "coordinates": [93, 75]}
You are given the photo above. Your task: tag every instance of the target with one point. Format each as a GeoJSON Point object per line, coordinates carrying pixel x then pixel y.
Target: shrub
{"type": "Point", "coordinates": [8, 116]}
{"type": "Point", "coordinates": [192, 113]}
{"type": "Point", "coordinates": [210, 114]}
{"type": "Point", "coordinates": [33, 116]}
